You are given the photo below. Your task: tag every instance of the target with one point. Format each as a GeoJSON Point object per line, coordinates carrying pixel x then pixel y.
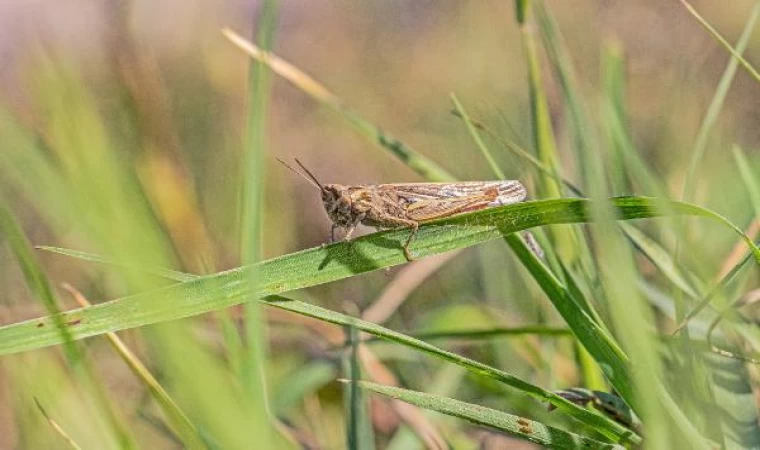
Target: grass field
{"type": "Point", "coordinates": [164, 279]}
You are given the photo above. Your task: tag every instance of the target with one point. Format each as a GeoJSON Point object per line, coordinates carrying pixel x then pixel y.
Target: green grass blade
{"type": "Point", "coordinates": [40, 286]}
{"type": "Point", "coordinates": [301, 383]}
{"type": "Point", "coordinates": [603, 425]}
{"type": "Point", "coordinates": [478, 140]}
{"type": "Point", "coordinates": [179, 421]}
{"type": "Point", "coordinates": [324, 264]}
{"type": "Point", "coordinates": [57, 428]}
{"type": "Point", "coordinates": [253, 355]}
{"type": "Point", "coordinates": [717, 36]}
{"type": "Point", "coordinates": [543, 133]}
{"type": "Point", "coordinates": [417, 162]}
{"type": "Point", "coordinates": [711, 116]}
{"type": "Point", "coordinates": [750, 178]}
{"type": "Point", "coordinates": [595, 339]}
{"type": "Point", "coordinates": [565, 242]}
{"type": "Point", "coordinates": [159, 272]}
{"type": "Point", "coordinates": [630, 161]}
{"type": "Point", "coordinates": [704, 301]}
{"type": "Point", "coordinates": [36, 279]}
{"type": "Point", "coordinates": [491, 333]}
{"type": "Point", "coordinates": [572, 305]}
{"type": "Point", "coordinates": [687, 282]}
{"type": "Point", "coordinates": [537, 432]}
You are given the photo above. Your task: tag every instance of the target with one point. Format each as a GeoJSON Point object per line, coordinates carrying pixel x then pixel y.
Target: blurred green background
{"type": "Point", "coordinates": [123, 133]}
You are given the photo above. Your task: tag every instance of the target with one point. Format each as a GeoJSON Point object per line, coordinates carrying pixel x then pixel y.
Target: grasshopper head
{"type": "Point", "coordinates": [338, 204]}
{"type": "Point", "coordinates": [336, 198]}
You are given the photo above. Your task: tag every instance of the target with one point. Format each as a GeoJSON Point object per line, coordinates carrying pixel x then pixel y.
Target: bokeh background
{"type": "Point", "coordinates": [138, 109]}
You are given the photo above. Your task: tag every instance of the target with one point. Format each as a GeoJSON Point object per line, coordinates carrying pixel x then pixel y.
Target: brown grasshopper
{"type": "Point", "coordinates": [398, 205]}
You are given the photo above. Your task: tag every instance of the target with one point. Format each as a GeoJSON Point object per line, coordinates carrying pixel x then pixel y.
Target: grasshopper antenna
{"type": "Point", "coordinates": [310, 174]}
{"type": "Point", "coordinates": [310, 178]}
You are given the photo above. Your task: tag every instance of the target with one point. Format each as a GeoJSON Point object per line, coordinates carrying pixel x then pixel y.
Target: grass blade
{"type": "Point", "coordinates": [711, 116]}
{"type": "Point", "coordinates": [533, 431]}
{"type": "Point", "coordinates": [420, 164]}
{"type": "Point", "coordinates": [321, 265]}
{"type": "Point", "coordinates": [253, 354]}
{"type": "Point", "coordinates": [603, 425]}
{"type": "Point", "coordinates": [58, 429]}
{"type": "Point", "coordinates": [735, 53]}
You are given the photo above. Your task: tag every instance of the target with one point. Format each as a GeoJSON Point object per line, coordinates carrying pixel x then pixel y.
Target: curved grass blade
{"type": "Point", "coordinates": [716, 104]}
{"type": "Point", "coordinates": [40, 286]}
{"type": "Point", "coordinates": [319, 93]}
{"type": "Point", "coordinates": [533, 431]}
{"type": "Point", "coordinates": [181, 424]}
{"type": "Point", "coordinates": [57, 427]}
{"type": "Point", "coordinates": [322, 265]}
{"type": "Point", "coordinates": [735, 53]}
{"type": "Point", "coordinates": [601, 424]}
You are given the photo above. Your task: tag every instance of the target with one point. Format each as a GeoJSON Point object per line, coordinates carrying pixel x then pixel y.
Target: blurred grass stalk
{"type": "Point", "coordinates": [253, 355]}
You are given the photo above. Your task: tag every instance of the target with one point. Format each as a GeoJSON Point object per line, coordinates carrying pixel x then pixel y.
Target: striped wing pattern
{"type": "Point", "coordinates": [430, 201]}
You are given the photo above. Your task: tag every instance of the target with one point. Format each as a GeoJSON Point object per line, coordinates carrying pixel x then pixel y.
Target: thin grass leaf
{"type": "Point", "coordinates": [57, 428]}
{"type": "Point", "coordinates": [521, 153]}
{"type": "Point", "coordinates": [36, 279]}
{"type": "Point", "coordinates": [601, 424]}
{"type": "Point", "coordinates": [490, 333]}
{"type": "Point", "coordinates": [420, 164]}
{"type": "Point", "coordinates": [253, 355]}
{"type": "Point", "coordinates": [719, 286]}
{"type": "Point", "coordinates": [750, 178]}
{"type": "Point", "coordinates": [543, 133]}
{"type": "Point", "coordinates": [478, 141]}
{"type": "Point", "coordinates": [572, 305]}
{"type": "Point", "coordinates": [614, 264]}
{"type": "Point", "coordinates": [717, 36]}
{"type": "Point", "coordinates": [179, 421]}
{"type": "Point", "coordinates": [527, 429]}
{"type": "Point", "coordinates": [716, 104]}
{"type": "Point", "coordinates": [41, 287]}
{"type": "Point", "coordinates": [359, 434]}
{"type": "Point", "coordinates": [687, 282]}
{"type": "Point", "coordinates": [630, 160]}
{"type": "Point", "coordinates": [565, 242]}
{"type": "Point", "coordinates": [301, 383]}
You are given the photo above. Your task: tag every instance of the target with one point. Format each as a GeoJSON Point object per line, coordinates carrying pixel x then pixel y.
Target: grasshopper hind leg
{"type": "Point", "coordinates": [414, 226]}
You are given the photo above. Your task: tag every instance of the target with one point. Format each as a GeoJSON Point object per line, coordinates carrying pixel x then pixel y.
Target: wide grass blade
{"type": "Point", "coordinates": [324, 264]}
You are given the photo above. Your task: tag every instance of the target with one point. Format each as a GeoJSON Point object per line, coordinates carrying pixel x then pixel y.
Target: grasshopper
{"type": "Point", "coordinates": [406, 205]}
